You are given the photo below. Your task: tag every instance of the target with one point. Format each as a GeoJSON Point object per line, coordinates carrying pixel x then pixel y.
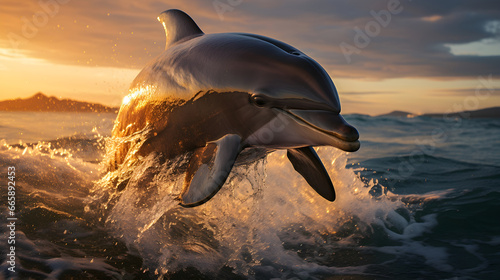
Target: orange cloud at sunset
{"type": "Point", "coordinates": [91, 50]}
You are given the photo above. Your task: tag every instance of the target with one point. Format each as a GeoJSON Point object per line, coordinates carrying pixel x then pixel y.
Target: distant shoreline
{"type": "Point", "coordinates": [42, 103]}
{"type": "Point", "coordinates": [57, 112]}
{"type": "Point", "coordinates": [491, 113]}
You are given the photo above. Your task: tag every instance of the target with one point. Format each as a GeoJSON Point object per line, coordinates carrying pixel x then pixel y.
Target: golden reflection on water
{"type": "Point", "coordinates": [141, 91]}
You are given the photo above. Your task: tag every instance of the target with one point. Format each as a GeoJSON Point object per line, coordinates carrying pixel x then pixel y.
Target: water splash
{"type": "Point", "coordinates": [265, 223]}
{"type": "Point", "coordinates": [266, 220]}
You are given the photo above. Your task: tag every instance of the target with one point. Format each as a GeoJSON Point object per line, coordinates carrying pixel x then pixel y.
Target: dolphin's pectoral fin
{"type": "Point", "coordinates": [309, 165]}
{"type": "Point", "coordinates": [208, 170]}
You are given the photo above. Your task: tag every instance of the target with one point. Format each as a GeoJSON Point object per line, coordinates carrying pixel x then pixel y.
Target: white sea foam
{"type": "Point", "coordinates": [261, 207]}
{"type": "Point", "coordinates": [266, 221]}
{"type": "Point", "coordinates": [258, 223]}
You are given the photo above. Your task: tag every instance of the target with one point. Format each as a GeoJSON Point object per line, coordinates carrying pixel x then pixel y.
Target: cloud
{"type": "Point", "coordinates": [467, 91]}
{"type": "Point", "coordinates": [126, 33]}
{"type": "Point", "coordinates": [367, 92]}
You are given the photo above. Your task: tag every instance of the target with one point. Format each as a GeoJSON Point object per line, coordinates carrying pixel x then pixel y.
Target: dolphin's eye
{"type": "Point", "coordinates": [258, 100]}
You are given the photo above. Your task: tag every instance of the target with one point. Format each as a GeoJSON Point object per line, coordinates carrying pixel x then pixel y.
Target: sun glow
{"type": "Point", "coordinates": [433, 18]}
{"type": "Point", "coordinates": [22, 75]}
{"type": "Point", "coordinates": [19, 56]}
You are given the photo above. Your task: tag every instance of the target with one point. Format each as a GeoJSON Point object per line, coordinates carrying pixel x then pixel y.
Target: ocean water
{"type": "Point", "coordinates": [419, 200]}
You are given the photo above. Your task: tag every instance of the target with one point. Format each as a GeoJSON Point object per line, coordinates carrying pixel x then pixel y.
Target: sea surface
{"type": "Point", "coordinates": [419, 200]}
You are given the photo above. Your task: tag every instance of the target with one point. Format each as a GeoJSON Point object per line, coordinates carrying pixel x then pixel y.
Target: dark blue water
{"type": "Point", "coordinates": [448, 168]}
{"type": "Point", "coordinates": [419, 200]}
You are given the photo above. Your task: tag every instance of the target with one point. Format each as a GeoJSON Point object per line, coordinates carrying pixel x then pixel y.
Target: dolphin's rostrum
{"type": "Point", "coordinates": [215, 95]}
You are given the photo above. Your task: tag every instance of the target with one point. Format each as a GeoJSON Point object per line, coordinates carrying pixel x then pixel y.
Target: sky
{"type": "Point", "coordinates": [382, 55]}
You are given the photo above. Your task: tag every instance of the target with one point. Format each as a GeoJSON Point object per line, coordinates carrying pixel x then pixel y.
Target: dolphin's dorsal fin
{"type": "Point", "coordinates": [178, 25]}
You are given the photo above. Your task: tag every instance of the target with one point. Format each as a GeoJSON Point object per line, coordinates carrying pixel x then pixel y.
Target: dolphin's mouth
{"type": "Point", "coordinates": [330, 123]}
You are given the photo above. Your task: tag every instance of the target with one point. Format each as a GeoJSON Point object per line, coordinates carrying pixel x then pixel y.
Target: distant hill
{"type": "Point", "coordinates": [397, 114]}
{"type": "Point", "coordinates": [492, 112]}
{"type": "Point", "coordinates": [41, 103]}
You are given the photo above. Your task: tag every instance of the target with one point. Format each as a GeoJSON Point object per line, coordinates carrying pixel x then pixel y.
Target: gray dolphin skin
{"type": "Point", "coordinates": [211, 96]}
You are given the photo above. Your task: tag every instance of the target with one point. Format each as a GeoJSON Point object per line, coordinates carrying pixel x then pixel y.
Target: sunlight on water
{"type": "Point", "coordinates": [264, 214]}
{"type": "Point", "coordinates": [266, 222]}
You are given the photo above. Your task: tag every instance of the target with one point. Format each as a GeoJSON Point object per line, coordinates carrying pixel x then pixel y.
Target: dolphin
{"type": "Point", "coordinates": [214, 95]}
